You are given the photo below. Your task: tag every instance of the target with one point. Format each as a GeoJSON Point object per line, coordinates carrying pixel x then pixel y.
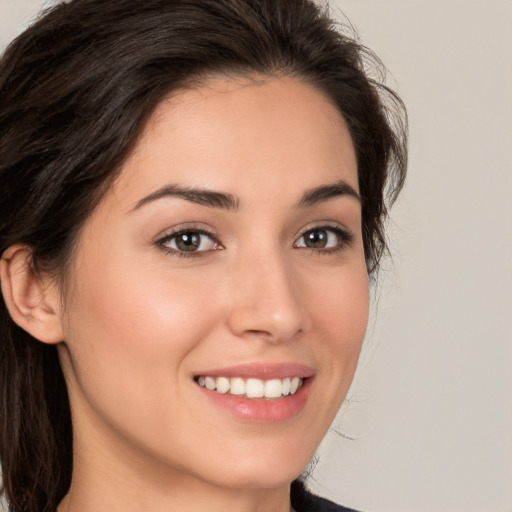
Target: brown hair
{"type": "Point", "coordinates": [76, 89]}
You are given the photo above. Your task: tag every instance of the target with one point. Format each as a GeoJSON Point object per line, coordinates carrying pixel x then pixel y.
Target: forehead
{"type": "Point", "coordinates": [241, 135]}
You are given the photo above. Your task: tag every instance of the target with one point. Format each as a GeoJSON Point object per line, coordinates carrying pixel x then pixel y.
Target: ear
{"type": "Point", "coordinates": [33, 300]}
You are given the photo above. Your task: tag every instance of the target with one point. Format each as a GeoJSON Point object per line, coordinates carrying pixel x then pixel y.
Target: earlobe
{"type": "Point", "coordinates": [33, 300]}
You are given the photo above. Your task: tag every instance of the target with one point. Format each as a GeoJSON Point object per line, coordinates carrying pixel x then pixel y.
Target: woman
{"type": "Point", "coordinates": [193, 197]}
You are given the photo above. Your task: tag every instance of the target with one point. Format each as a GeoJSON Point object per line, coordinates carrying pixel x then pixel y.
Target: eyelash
{"type": "Point", "coordinates": [182, 231]}
{"type": "Point", "coordinates": [345, 239]}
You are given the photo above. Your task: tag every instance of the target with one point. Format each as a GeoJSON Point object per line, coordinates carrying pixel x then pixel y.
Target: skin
{"type": "Point", "coordinates": [140, 321]}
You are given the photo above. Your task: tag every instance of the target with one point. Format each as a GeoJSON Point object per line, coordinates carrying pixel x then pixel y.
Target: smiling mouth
{"type": "Point", "coordinates": [251, 387]}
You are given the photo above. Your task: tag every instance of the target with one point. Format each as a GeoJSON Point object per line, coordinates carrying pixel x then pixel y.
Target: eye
{"type": "Point", "coordinates": [324, 238]}
{"type": "Point", "coordinates": [188, 242]}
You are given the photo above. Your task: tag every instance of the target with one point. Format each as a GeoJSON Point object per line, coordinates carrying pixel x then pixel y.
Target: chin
{"type": "Point", "coordinates": [264, 473]}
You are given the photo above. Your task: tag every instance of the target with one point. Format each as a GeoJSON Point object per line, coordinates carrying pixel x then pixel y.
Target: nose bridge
{"type": "Point", "coordinates": [266, 299]}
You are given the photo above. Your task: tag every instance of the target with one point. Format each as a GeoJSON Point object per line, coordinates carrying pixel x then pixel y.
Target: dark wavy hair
{"type": "Point", "coordinates": [76, 90]}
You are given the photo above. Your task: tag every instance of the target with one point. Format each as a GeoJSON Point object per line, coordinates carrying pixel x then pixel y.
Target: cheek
{"type": "Point", "coordinates": [134, 328]}
{"type": "Point", "coordinates": [340, 311]}
{"type": "Point", "coordinates": [340, 307]}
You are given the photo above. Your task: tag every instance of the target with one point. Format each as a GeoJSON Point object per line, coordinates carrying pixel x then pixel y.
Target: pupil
{"type": "Point", "coordinates": [316, 239]}
{"type": "Point", "coordinates": [188, 241]}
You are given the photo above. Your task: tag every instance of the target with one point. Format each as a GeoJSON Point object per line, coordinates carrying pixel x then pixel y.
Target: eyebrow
{"type": "Point", "coordinates": [227, 201]}
{"type": "Point", "coordinates": [323, 193]}
{"type": "Point", "coordinates": [208, 198]}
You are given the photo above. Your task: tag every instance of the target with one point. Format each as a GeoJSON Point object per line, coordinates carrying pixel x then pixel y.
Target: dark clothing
{"type": "Point", "coordinates": [304, 501]}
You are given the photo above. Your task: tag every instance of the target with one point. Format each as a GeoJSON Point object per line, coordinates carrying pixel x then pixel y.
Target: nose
{"type": "Point", "coordinates": [265, 300]}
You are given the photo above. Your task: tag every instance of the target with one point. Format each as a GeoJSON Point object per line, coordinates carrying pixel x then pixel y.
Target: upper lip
{"type": "Point", "coordinates": [263, 371]}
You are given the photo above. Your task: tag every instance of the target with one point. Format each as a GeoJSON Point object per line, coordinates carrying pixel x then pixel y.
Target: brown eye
{"type": "Point", "coordinates": [316, 239]}
{"type": "Point", "coordinates": [189, 241]}
{"type": "Point", "coordinates": [324, 238]}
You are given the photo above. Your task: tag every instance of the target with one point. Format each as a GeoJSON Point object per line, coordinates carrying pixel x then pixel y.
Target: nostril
{"type": "Point", "coordinates": [274, 337]}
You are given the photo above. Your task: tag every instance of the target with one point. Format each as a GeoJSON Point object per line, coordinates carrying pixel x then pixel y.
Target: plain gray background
{"type": "Point", "coordinates": [429, 422]}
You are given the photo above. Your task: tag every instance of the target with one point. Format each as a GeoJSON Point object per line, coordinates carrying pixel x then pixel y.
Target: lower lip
{"type": "Point", "coordinates": [261, 410]}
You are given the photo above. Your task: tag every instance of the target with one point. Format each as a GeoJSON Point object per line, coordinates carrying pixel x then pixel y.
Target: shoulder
{"type": "Point", "coordinates": [303, 501]}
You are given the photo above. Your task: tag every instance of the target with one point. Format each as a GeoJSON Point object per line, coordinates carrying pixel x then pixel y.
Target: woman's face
{"type": "Point", "coordinates": [228, 253]}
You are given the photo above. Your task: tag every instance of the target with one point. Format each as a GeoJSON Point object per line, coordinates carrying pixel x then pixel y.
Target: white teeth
{"type": "Point", "coordinates": [209, 383]}
{"type": "Point", "coordinates": [294, 385]}
{"type": "Point", "coordinates": [237, 386]}
{"type": "Point", "coordinates": [273, 388]}
{"type": "Point", "coordinates": [252, 388]}
{"type": "Point", "coordinates": [285, 386]}
{"type": "Point", "coordinates": [222, 385]}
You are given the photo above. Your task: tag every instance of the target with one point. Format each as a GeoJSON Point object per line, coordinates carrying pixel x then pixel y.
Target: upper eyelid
{"type": "Point", "coordinates": [171, 232]}
{"type": "Point", "coordinates": [336, 226]}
